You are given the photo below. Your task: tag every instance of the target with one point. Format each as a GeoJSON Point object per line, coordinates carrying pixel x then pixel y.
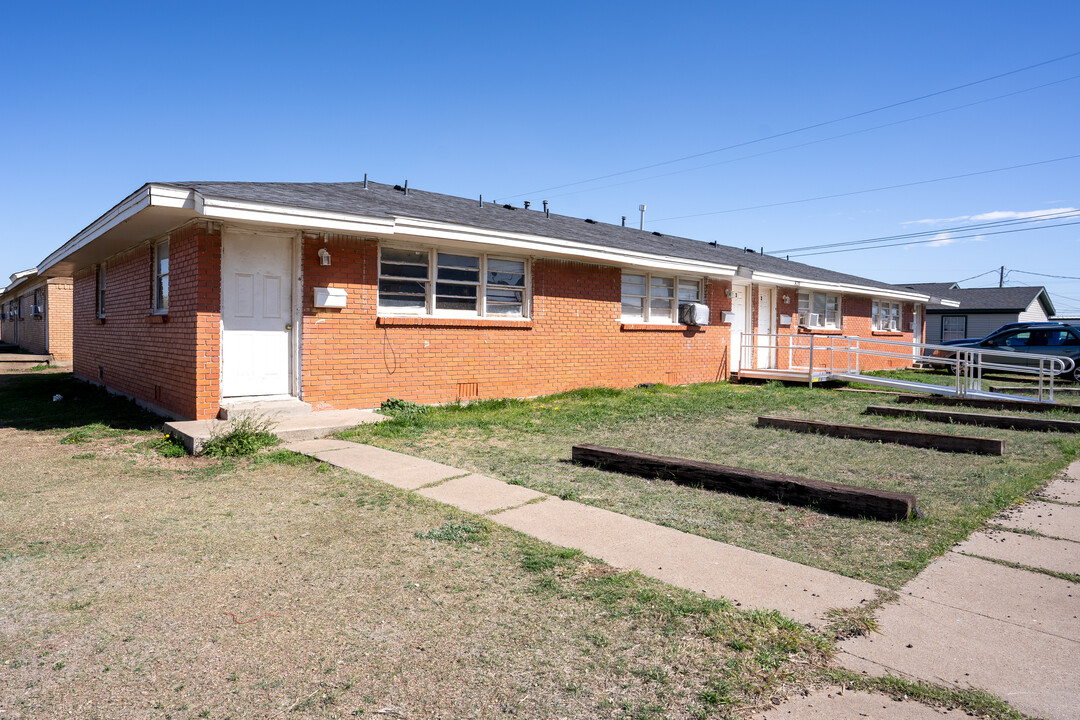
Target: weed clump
{"type": "Point", "coordinates": [246, 435]}
{"type": "Point", "coordinates": [398, 408]}
{"type": "Point", "coordinates": [166, 446]}
{"type": "Point", "coordinates": [455, 532]}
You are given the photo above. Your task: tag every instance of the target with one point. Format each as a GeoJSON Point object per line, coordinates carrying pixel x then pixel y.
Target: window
{"type": "Point", "coordinates": [652, 298]}
{"type": "Point", "coordinates": [886, 315]}
{"type": "Point", "coordinates": [38, 307]}
{"type": "Point", "coordinates": [953, 327]}
{"type": "Point", "coordinates": [819, 310]}
{"type": "Point", "coordinates": [480, 285]}
{"type": "Point", "coordinates": [99, 284]}
{"type": "Point", "coordinates": [161, 277]}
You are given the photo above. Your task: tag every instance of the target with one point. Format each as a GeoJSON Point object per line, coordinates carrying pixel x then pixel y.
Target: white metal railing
{"type": "Point", "coordinates": [843, 353]}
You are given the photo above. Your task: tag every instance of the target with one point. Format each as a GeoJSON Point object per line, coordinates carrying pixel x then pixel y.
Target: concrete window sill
{"type": "Point", "coordinates": [157, 319]}
{"type": "Point", "coordinates": [820, 331]}
{"type": "Point", "coordinates": [420, 321]}
{"type": "Point", "coordinates": [655, 327]}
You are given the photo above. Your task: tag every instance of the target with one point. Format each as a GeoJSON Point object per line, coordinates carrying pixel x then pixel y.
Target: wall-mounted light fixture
{"type": "Point", "coordinates": [728, 293]}
{"type": "Point", "coordinates": [786, 299]}
{"type": "Point", "coordinates": [324, 256]}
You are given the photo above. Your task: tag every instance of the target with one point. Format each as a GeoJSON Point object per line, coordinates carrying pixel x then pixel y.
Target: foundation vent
{"type": "Point", "coordinates": [466, 391]}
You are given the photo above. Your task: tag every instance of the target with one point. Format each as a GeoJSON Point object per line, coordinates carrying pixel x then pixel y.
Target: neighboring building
{"type": "Point", "coordinates": [981, 310]}
{"type": "Point", "coordinates": [188, 295]}
{"type": "Point", "coordinates": [35, 315]}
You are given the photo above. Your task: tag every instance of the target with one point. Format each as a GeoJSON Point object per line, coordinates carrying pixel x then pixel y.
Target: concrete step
{"type": "Point", "coordinates": [276, 408]}
{"type": "Point", "coordinates": [22, 361]}
{"type": "Point", "coordinates": [193, 434]}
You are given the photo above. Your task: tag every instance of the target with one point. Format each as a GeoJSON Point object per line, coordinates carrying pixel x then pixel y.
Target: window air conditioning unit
{"type": "Point", "coordinates": [35, 310]}
{"type": "Point", "coordinates": [694, 314]}
{"type": "Point", "coordinates": [812, 319]}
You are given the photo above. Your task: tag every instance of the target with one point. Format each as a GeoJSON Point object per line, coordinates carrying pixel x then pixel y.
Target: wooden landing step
{"type": "Point", "coordinates": [798, 376]}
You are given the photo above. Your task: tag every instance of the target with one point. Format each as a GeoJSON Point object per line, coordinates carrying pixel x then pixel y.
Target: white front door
{"type": "Point", "coordinates": [740, 309]}
{"type": "Point", "coordinates": [256, 313]}
{"type": "Point", "coordinates": [765, 311]}
{"type": "Point", "coordinates": [917, 332]}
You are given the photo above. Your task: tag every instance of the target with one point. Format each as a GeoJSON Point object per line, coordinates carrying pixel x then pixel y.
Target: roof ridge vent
{"type": "Point", "coordinates": [590, 221]}
{"type": "Point", "coordinates": [658, 234]}
{"type": "Point", "coordinates": [508, 206]}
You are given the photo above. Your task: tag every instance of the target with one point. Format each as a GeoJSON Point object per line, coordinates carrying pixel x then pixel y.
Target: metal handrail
{"type": "Point", "coordinates": [968, 363]}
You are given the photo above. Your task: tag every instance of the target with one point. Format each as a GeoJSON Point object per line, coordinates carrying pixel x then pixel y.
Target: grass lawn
{"type": "Point", "coordinates": [136, 585]}
{"type": "Point", "coordinates": [135, 582]}
{"type": "Point", "coordinates": [528, 443]}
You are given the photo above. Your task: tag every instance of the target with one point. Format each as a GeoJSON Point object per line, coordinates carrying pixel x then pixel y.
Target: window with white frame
{"type": "Point", "coordinates": [886, 315]}
{"type": "Point", "coordinates": [161, 276]}
{"type": "Point", "coordinates": [819, 310]}
{"type": "Point", "coordinates": [99, 291]}
{"type": "Point", "coordinates": [434, 282]}
{"type": "Point", "coordinates": [655, 298]}
{"type": "Point", "coordinates": [953, 327]}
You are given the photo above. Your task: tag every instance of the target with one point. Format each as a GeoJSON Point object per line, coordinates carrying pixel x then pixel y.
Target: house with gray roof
{"type": "Point", "coordinates": [981, 311]}
{"type": "Point", "coordinates": [190, 296]}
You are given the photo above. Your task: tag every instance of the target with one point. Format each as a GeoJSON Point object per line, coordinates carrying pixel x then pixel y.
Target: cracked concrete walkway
{"type": "Point", "coordinates": [971, 622]}
{"type": "Point", "coordinates": [681, 559]}
{"type": "Point", "coordinates": [965, 621]}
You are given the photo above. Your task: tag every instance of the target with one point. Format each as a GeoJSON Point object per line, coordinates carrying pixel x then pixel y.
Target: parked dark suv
{"type": "Point", "coordinates": [1037, 338]}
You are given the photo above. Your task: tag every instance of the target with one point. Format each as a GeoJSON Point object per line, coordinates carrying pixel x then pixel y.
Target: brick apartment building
{"type": "Point", "coordinates": [187, 295]}
{"type": "Point", "coordinates": [35, 315]}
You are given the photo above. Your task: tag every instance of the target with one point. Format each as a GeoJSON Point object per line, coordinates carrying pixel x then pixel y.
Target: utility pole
{"type": "Point", "coordinates": [1001, 277]}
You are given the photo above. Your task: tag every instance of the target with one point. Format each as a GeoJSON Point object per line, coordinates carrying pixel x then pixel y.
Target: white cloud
{"type": "Point", "coordinates": [937, 221]}
{"type": "Point", "coordinates": [941, 240]}
{"type": "Point", "coordinates": [993, 216]}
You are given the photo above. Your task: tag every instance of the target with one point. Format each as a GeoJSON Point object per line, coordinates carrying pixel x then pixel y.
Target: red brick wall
{"type": "Point", "coordinates": [856, 318]}
{"type": "Point", "coordinates": [58, 310]}
{"type": "Point", "coordinates": [169, 361]}
{"type": "Point", "coordinates": [574, 339]}
{"type": "Point", "coordinates": [48, 332]}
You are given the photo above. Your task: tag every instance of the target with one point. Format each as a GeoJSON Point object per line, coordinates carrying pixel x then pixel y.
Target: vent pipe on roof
{"type": "Point", "coordinates": [406, 187]}
{"type": "Point", "coordinates": [624, 221]}
{"type": "Point", "coordinates": [641, 208]}
{"type": "Point", "coordinates": [527, 204]}
{"type": "Point", "coordinates": [547, 213]}
{"type": "Point", "coordinates": [481, 202]}
{"type": "Point", "coordinates": [365, 181]}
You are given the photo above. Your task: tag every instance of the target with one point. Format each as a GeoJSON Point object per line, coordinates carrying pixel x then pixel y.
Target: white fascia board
{"type": "Point", "coordinates": [556, 246]}
{"type": "Point", "coordinates": [774, 278]}
{"type": "Point", "coordinates": [15, 277]}
{"type": "Point", "coordinates": [946, 303]}
{"type": "Point", "coordinates": [125, 209]}
{"type": "Point", "coordinates": [226, 209]}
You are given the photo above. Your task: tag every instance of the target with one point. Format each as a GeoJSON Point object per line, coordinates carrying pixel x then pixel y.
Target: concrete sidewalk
{"type": "Point", "coordinates": [970, 622]}
{"type": "Point", "coordinates": [681, 559]}
{"type": "Point", "coordinates": [965, 621]}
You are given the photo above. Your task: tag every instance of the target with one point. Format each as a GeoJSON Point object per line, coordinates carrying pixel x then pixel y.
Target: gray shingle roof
{"type": "Point", "coordinates": [991, 299]}
{"type": "Point", "coordinates": [380, 200]}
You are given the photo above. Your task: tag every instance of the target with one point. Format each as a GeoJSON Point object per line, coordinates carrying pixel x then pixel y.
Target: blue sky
{"type": "Point", "coordinates": [517, 101]}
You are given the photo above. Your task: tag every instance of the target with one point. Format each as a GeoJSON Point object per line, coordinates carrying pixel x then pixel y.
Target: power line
{"type": "Point", "coordinates": [1059, 277]}
{"type": "Point", "coordinates": [869, 190]}
{"type": "Point", "coordinates": [988, 272]}
{"type": "Point", "coordinates": [933, 240]}
{"type": "Point", "coordinates": [799, 130]}
{"type": "Point", "coordinates": [923, 233]}
{"type": "Point", "coordinates": [811, 142]}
